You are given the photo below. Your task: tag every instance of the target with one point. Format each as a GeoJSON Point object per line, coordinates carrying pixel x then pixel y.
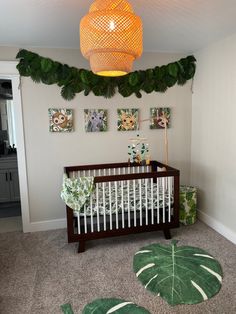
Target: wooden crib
{"type": "Point", "coordinates": [127, 198]}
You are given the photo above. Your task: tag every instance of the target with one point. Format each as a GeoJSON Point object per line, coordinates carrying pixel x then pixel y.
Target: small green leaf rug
{"type": "Point", "coordinates": [108, 306]}
{"type": "Point", "coordinates": [180, 275]}
{"type": "Point", "coordinates": [115, 306]}
{"type": "Point", "coordinates": [67, 309]}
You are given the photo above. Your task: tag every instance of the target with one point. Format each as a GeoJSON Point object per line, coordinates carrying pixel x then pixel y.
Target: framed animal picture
{"type": "Point", "coordinates": [159, 117]}
{"type": "Point", "coordinates": [95, 120]}
{"type": "Point", "coordinates": [127, 119]}
{"type": "Point", "coordinates": [60, 120]}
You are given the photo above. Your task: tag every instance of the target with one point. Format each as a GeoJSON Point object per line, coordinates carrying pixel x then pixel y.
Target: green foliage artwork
{"type": "Point", "coordinates": [73, 80]}
{"type": "Point", "coordinates": [116, 306]}
{"type": "Point", "coordinates": [180, 275]}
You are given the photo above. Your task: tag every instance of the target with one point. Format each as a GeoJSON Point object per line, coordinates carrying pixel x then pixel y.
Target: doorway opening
{"type": "Point", "coordinates": [10, 205]}
{"type": "Point", "coordinates": [8, 71]}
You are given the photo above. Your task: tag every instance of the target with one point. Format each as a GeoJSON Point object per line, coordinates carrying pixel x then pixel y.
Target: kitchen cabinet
{"type": "Point", "coordinates": [9, 180]}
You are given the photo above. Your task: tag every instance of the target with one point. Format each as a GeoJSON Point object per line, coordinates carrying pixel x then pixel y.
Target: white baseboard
{"type": "Point", "coordinates": [217, 226]}
{"type": "Point", "coordinates": [61, 224]}
{"type": "Point", "coordinates": [45, 225]}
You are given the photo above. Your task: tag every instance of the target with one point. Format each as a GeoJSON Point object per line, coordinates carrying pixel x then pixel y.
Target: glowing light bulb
{"type": "Point", "coordinates": [112, 25]}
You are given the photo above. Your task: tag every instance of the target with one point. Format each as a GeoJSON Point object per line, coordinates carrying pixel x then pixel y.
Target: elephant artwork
{"type": "Point", "coordinates": [95, 120]}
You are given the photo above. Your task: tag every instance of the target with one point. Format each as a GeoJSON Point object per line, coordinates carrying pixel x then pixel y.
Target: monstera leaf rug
{"type": "Point", "coordinates": [67, 309]}
{"type": "Point", "coordinates": [108, 306]}
{"type": "Point", "coordinates": [180, 275]}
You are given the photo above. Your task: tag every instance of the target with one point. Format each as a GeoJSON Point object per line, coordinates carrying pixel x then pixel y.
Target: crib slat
{"type": "Point", "coordinates": [128, 198]}
{"type": "Point", "coordinates": [134, 195]}
{"type": "Point", "coordinates": [110, 207]}
{"type": "Point", "coordinates": [98, 222]}
{"type": "Point", "coordinates": [104, 207]}
{"type": "Point", "coordinates": [91, 214]}
{"type": "Point", "coordinates": [85, 219]}
{"type": "Point", "coordinates": [78, 221]}
{"type": "Point", "coordinates": [146, 200]}
{"type": "Point", "coordinates": [117, 223]}
{"type": "Point", "coordinates": [152, 201]}
{"type": "Point", "coordinates": [169, 197]}
{"type": "Point", "coordinates": [140, 199]}
{"type": "Point", "coordinates": [122, 204]}
{"type": "Point", "coordinates": [163, 195]}
{"type": "Point", "coordinates": [158, 200]}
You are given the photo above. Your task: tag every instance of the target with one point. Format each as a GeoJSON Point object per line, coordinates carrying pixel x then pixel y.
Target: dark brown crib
{"type": "Point", "coordinates": [127, 198]}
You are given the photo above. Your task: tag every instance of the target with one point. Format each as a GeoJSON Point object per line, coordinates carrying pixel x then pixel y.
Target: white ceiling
{"type": "Point", "coordinates": [169, 25]}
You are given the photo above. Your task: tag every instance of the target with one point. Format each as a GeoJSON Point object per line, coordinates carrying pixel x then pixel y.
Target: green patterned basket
{"type": "Point", "coordinates": [188, 205]}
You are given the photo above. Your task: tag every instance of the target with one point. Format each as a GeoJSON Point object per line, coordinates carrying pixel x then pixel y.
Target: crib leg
{"type": "Point", "coordinates": [167, 234]}
{"type": "Point", "coordinates": [81, 247]}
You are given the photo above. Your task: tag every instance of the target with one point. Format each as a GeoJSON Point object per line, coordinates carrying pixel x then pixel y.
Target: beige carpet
{"type": "Point", "coordinates": [40, 271]}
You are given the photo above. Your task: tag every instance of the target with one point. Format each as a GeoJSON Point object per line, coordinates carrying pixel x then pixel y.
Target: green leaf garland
{"type": "Point", "coordinates": [73, 80]}
{"type": "Point", "coordinates": [180, 275]}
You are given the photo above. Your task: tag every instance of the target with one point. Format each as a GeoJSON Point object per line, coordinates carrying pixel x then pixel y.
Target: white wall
{"type": "Point", "coordinates": [213, 152]}
{"type": "Point", "coordinates": [47, 153]}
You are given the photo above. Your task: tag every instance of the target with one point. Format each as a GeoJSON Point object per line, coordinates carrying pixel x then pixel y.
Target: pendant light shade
{"type": "Point", "coordinates": [111, 37]}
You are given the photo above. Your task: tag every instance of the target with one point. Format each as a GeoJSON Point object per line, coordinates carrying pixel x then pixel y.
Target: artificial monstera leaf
{"type": "Point", "coordinates": [180, 275]}
{"type": "Point", "coordinates": [173, 69]}
{"type": "Point", "coordinates": [133, 78]}
{"type": "Point", "coordinates": [46, 64]}
{"type": "Point", "coordinates": [125, 90]}
{"type": "Point", "coordinates": [161, 87]}
{"type": "Point", "coordinates": [67, 92]}
{"type": "Point", "coordinates": [115, 306]}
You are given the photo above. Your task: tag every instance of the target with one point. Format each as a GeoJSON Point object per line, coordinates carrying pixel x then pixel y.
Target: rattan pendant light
{"type": "Point", "coordinates": [111, 37]}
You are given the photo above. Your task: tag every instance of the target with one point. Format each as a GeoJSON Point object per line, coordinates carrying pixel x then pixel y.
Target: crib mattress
{"type": "Point", "coordinates": [138, 196]}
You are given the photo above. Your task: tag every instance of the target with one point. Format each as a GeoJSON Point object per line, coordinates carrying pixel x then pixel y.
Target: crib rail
{"type": "Point", "coordinates": [127, 202]}
{"type": "Point", "coordinates": [115, 168]}
{"type": "Point", "coordinates": [126, 197]}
